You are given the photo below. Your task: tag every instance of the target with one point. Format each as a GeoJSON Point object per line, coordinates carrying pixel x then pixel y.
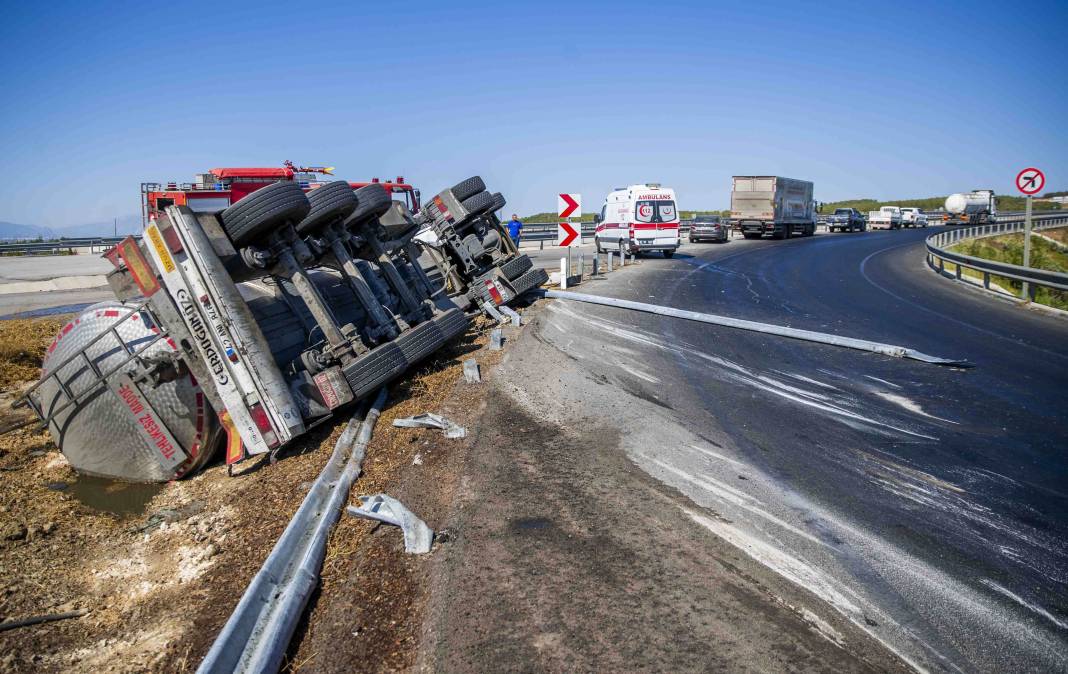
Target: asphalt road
{"type": "Point", "coordinates": [927, 504]}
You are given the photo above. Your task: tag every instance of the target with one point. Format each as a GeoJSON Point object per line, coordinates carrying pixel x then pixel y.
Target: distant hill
{"type": "Point", "coordinates": [129, 224]}
{"type": "Point", "coordinates": [11, 230]}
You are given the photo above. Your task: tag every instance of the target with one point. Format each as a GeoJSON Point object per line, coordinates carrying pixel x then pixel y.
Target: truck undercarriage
{"type": "Point", "coordinates": [247, 326]}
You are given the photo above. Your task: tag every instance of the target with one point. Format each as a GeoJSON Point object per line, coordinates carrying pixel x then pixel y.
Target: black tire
{"type": "Point", "coordinates": [264, 211]}
{"type": "Point", "coordinates": [597, 244]}
{"type": "Point", "coordinates": [530, 280]}
{"type": "Point", "coordinates": [371, 202]}
{"type": "Point", "coordinates": [515, 267]}
{"type": "Point", "coordinates": [328, 203]}
{"type": "Point", "coordinates": [478, 204]}
{"type": "Point", "coordinates": [499, 202]}
{"type": "Point", "coordinates": [388, 361]}
{"type": "Point", "coordinates": [668, 254]}
{"type": "Point", "coordinates": [468, 188]}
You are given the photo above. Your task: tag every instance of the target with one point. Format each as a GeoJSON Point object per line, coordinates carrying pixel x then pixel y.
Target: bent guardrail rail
{"type": "Point", "coordinates": [938, 256]}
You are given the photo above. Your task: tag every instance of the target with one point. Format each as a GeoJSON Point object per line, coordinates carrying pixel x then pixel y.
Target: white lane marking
{"type": "Point", "coordinates": [882, 381]}
{"type": "Point", "coordinates": [945, 317]}
{"type": "Point", "coordinates": [1023, 602]}
{"type": "Point", "coordinates": [910, 405]}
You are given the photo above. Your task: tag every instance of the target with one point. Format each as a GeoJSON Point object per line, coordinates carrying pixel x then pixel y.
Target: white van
{"type": "Point", "coordinates": [638, 218]}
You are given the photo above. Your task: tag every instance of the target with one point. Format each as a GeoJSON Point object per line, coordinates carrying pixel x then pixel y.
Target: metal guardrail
{"type": "Point", "coordinates": [938, 256]}
{"type": "Point", "coordinates": [61, 245]}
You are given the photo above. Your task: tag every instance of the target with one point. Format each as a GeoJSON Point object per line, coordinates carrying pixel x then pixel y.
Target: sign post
{"type": "Point", "coordinates": [1030, 181]}
{"type": "Point", "coordinates": [568, 230]}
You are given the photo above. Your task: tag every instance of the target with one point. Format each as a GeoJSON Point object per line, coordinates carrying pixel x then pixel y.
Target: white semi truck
{"type": "Point", "coordinates": [971, 208]}
{"type": "Point", "coordinates": [779, 207]}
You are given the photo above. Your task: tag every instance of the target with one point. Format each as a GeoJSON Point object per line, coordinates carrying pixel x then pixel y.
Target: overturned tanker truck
{"type": "Point", "coordinates": [254, 306]}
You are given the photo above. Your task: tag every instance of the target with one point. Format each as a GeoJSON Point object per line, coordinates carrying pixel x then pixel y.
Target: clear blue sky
{"type": "Point", "coordinates": [894, 99]}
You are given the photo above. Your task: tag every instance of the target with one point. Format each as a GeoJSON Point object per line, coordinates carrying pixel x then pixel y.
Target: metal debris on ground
{"type": "Point", "coordinates": [517, 320]}
{"type": "Point", "coordinates": [428, 420]}
{"type": "Point", "coordinates": [418, 537]}
{"type": "Point", "coordinates": [496, 340]}
{"type": "Point", "coordinates": [471, 373]}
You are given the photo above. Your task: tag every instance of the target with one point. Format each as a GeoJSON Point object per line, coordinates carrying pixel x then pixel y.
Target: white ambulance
{"type": "Point", "coordinates": [637, 219]}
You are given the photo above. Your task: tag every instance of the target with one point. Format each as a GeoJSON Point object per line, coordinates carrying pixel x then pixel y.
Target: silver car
{"type": "Point", "coordinates": [708, 228]}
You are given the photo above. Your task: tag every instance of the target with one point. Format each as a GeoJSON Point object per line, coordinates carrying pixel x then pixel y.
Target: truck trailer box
{"type": "Point", "coordinates": [773, 205]}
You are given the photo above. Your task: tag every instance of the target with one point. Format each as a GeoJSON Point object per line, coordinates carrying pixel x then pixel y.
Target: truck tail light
{"type": "Point", "coordinates": [263, 422]}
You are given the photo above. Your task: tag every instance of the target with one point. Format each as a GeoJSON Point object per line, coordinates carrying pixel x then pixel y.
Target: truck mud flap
{"type": "Point", "coordinates": [388, 361]}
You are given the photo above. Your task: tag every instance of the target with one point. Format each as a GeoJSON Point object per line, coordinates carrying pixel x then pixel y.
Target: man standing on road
{"type": "Point", "coordinates": [514, 228]}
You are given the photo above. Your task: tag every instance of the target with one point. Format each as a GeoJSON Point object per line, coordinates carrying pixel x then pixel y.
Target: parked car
{"type": "Point", "coordinates": [708, 228]}
{"type": "Point", "coordinates": [847, 220]}
{"type": "Point", "coordinates": [913, 217]}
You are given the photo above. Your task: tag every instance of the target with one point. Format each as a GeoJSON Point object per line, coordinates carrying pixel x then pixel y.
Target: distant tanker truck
{"type": "Point", "coordinates": [977, 207]}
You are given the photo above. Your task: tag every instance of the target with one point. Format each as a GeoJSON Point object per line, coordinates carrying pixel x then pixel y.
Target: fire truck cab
{"type": "Point", "coordinates": [637, 219]}
{"type": "Point", "coordinates": [220, 188]}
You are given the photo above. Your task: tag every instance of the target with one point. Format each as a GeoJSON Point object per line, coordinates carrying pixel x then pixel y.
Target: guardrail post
{"type": "Point", "coordinates": [958, 271]}
{"type": "Point", "coordinates": [941, 266]}
{"type": "Point", "coordinates": [986, 280]}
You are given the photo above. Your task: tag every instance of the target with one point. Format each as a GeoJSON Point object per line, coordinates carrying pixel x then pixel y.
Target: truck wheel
{"type": "Point", "coordinates": [371, 202]}
{"type": "Point", "coordinates": [668, 254]}
{"type": "Point", "coordinates": [478, 204]}
{"type": "Point", "coordinates": [468, 188]}
{"type": "Point", "coordinates": [264, 211]}
{"type": "Point", "coordinates": [597, 244]}
{"type": "Point", "coordinates": [329, 202]}
{"type": "Point", "coordinates": [514, 268]}
{"type": "Point", "coordinates": [532, 279]}
{"type": "Point", "coordinates": [499, 202]}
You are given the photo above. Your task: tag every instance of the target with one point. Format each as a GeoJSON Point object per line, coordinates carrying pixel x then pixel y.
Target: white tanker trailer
{"type": "Point", "coordinates": [971, 208]}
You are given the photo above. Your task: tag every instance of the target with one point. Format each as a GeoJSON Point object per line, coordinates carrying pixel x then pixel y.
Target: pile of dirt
{"type": "Point", "coordinates": [22, 347]}
{"type": "Point", "coordinates": [160, 582]}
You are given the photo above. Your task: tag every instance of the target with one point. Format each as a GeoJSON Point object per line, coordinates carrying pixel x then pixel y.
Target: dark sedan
{"type": "Point", "coordinates": [708, 228]}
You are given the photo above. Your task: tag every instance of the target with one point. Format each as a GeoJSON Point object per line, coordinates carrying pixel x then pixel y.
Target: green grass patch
{"type": "Point", "coordinates": [1009, 249]}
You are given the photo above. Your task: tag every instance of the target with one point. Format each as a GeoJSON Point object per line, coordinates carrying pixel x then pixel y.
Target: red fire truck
{"type": "Point", "coordinates": [221, 187]}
